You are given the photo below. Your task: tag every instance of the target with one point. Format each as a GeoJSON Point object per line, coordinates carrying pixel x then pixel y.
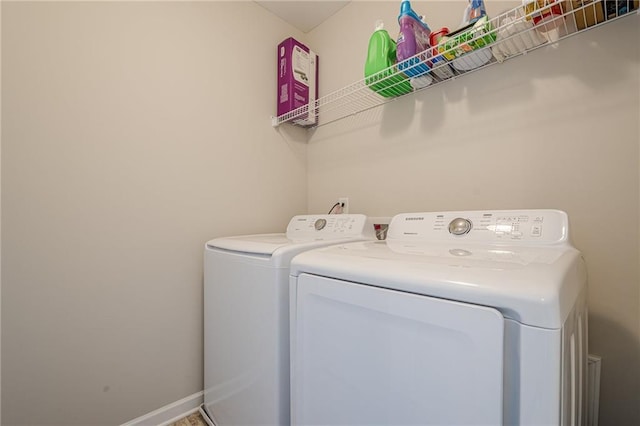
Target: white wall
{"type": "Point", "coordinates": [557, 128]}
{"type": "Point", "coordinates": [132, 132]}
{"type": "Point", "coordinates": [0, 218]}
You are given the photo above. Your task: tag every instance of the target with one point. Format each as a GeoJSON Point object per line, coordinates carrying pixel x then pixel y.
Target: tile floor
{"type": "Point", "coordinates": [194, 419]}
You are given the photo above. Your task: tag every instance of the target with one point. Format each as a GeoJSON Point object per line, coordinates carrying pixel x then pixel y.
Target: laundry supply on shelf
{"type": "Point", "coordinates": [474, 11]}
{"type": "Point", "coordinates": [615, 8]}
{"type": "Point", "coordinates": [465, 46]}
{"type": "Point", "coordinates": [380, 73]}
{"type": "Point", "coordinates": [547, 17]}
{"type": "Point", "coordinates": [297, 80]}
{"type": "Point", "coordinates": [439, 66]}
{"type": "Point", "coordinates": [413, 38]}
{"type": "Point", "coordinates": [587, 13]}
{"type": "Point", "coordinates": [515, 35]}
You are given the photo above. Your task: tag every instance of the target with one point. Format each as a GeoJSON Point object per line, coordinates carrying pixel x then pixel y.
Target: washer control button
{"type": "Point", "coordinates": [459, 226]}
{"type": "Point", "coordinates": [320, 224]}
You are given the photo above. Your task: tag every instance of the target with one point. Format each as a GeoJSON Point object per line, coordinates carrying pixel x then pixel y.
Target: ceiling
{"type": "Point", "coordinates": [305, 15]}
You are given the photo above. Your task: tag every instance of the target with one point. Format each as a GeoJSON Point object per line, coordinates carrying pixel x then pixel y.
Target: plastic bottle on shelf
{"type": "Point", "coordinates": [425, 79]}
{"type": "Point", "coordinates": [515, 35]}
{"type": "Point", "coordinates": [474, 11]}
{"type": "Point", "coordinates": [413, 38]}
{"type": "Point", "coordinates": [440, 67]}
{"type": "Point", "coordinates": [379, 71]}
{"type": "Point", "coordinates": [546, 16]}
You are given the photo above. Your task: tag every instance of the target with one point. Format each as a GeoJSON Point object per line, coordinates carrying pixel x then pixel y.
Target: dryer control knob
{"type": "Point", "coordinates": [459, 226]}
{"type": "Point", "coordinates": [320, 224]}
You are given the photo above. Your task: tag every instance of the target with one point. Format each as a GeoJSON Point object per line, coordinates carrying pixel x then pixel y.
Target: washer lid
{"type": "Point", "coordinates": [302, 231]}
{"type": "Point", "coordinates": [265, 244]}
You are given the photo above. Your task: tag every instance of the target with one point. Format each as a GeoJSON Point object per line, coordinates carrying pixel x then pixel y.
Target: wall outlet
{"type": "Point", "coordinates": [344, 205]}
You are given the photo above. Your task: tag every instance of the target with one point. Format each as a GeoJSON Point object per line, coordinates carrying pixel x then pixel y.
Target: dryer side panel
{"type": "Point", "coordinates": [367, 355]}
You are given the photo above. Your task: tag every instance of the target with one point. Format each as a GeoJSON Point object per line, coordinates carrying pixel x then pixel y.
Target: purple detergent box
{"type": "Point", "coordinates": [297, 80]}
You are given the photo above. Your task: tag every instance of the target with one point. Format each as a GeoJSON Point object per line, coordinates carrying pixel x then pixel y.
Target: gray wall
{"type": "Point", "coordinates": [557, 128]}
{"type": "Point", "coordinates": [132, 132]}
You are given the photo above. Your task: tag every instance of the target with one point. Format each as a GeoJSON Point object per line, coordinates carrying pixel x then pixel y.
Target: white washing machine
{"type": "Point", "coordinates": [246, 316]}
{"type": "Point", "coordinates": [458, 318]}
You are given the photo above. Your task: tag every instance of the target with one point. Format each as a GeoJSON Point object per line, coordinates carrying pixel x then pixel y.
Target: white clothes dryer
{"type": "Point", "coordinates": [246, 316]}
{"type": "Point", "coordinates": [458, 318]}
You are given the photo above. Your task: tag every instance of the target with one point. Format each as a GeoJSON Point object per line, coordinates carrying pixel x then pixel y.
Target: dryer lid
{"type": "Point", "coordinates": [535, 282]}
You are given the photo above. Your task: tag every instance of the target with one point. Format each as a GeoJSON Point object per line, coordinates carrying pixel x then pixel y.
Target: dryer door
{"type": "Point", "coordinates": [365, 355]}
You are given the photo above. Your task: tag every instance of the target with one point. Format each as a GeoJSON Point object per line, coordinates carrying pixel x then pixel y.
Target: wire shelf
{"type": "Point", "coordinates": [506, 36]}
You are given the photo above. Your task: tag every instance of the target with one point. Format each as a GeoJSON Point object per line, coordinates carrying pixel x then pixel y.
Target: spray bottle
{"type": "Point", "coordinates": [474, 11]}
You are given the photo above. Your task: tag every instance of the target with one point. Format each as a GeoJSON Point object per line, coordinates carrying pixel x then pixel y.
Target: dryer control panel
{"type": "Point", "coordinates": [329, 226]}
{"type": "Point", "coordinates": [512, 226]}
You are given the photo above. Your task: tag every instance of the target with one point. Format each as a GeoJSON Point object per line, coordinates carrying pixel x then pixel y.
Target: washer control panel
{"type": "Point", "coordinates": [328, 226]}
{"type": "Point", "coordinates": [513, 226]}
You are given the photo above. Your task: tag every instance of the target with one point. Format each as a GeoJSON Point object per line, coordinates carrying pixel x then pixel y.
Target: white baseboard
{"type": "Point", "coordinates": [170, 413]}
